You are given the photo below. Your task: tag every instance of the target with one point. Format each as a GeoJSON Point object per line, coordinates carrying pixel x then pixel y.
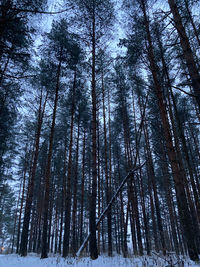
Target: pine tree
{"type": "Point", "coordinates": [65, 50]}
{"type": "Point", "coordinates": [96, 17]}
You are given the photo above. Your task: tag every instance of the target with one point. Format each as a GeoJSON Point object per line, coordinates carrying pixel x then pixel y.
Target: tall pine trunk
{"type": "Point", "coordinates": [93, 194]}
{"type": "Point", "coordinates": [44, 253]}
{"type": "Point", "coordinates": [109, 217]}
{"type": "Point", "coordinates": [187, 51]}
{"type": "Point", "coordinates": [74, 211]}
{"type": "Point", "coordinates": [82, 188]}
{"type": "Point", "coordinates": [178, 178]}
{"type": "Point", "coordinates": [69, 172]}
{"type": "Point", "coordinates": [29, 198]}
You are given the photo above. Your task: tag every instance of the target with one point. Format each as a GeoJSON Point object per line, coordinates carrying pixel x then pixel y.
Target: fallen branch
{"type": "Point", "coordinates": [130, 174]}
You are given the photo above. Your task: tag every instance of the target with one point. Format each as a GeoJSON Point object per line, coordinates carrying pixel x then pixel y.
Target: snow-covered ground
{"type": "Point", "coordinates": [103, 261]}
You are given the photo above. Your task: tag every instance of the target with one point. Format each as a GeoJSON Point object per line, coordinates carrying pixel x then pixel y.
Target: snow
{"type": "Point", "coordinates": [33, 260]}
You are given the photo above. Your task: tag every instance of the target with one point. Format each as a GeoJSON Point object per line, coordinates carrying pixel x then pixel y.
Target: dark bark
{"type": "Point", "coordinates": [179, 131]}
{"type": "Point", "coordinates": [146, 226]}
{"type": "Point", "coordinates": [17, 209]}
{"type": "Point", "coordinates": [187, 51]}
{"type": "Point", "coordinates": [44, 253]}
{"type": "Point", "coordinates": [99, 187]}
{"type": "Point", "coordinates": [63, 196]}
{"type": "Point", "coordinates": [69, 172]}
{"type": "Point", "coordinates": [192, 21]}
{"type": "Point", "coordinates": [74, 210]}
{"type": "Point", "coordinates": [169, 199]}
{"type": "Point", "coordinates": [82, 188]}
{"type": "Point", "coordinates": [109, 216]}
{"type": "Point", "coordinates": [178, 179]}
{"type": "Point", "coordinates": [29, 198]}
{"type": "Point", "coordinates": [93, 194]}
{"type": "Point", "coordinates": [151, 174]}
{"type": "Point", "coordinates": [135, 212]}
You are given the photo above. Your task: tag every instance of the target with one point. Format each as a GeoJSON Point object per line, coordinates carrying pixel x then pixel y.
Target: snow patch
{"type": "Point", "coordinates": [34, 260]}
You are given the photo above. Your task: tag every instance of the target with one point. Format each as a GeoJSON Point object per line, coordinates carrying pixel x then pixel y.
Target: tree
{"type": "Point", "coordinates": [65, 49]}
{"type": "Point", "coordinates": [29, 197]}
{"type": "Point", "coordinates": [179, 185]}
{"type": "Point", "coordinates": [96, 17]}
{"type": "Point", "coordinates": [187, 51]}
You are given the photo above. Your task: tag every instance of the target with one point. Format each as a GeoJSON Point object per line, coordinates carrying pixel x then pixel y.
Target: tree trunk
{"type": "Point", "coordinates": [29, 198]}
{"type": "Point", "coordinates": [68, 191]}
{"type": "Point", "coordinates": [44, 253]}
{"type": "Point", "coordinates": [93, 196]}
{"type": "Point", "coordinates": [153, 182]}
{"type": "Point", "coordinates": [99, 187]}
{"type": "Point", "coordinates": [82, 188]}
{"type": "Point", "coordinates": [187, 51]}
{"type": "Point", "coordinates": [109, 217]}
{"type": "Point", "coordinates": [17, 209]}
{"type": "Point", "coordinates": [74, 211]}
{"type": "Point", "coordinates": [178, 179]}
{"type": "Point", "coordinates": [192, 21]}
{"type": "Point", "coordinates": [146, 227]}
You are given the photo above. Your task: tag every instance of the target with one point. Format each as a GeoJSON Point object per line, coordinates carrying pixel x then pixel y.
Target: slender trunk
{"type": "Point", "coordinates": [146, 227]}
{"type": "Point", "coordinates": [178, 179]}
{"type": "Point", "coordinates": [17, 209]}
{"type": "Point", "coordinates": [179, 130]}
{"type": "Point", "coordinates": [99, 187]}
{"type": "Point", "coordinates": [51, 197]}
{"type": "Point", "coordinates": [192, 21]}
{"type": "Point", "coordinates": [63, 196]}
{"type": "Point", "coordinates": [153, 182]}
{"type": "Point", "coordinates": [74, 211]}
{"type": "Point", "coordinates": [103, 239]}
{"type": "Point", "coordinates": [44, 253]}
{"type": "Point", "coordinates": [133, 234]}
{"type": "Point", "coordinates": [40, 197]}
{"type": "Point", "coordinates": [135, 212]}
{"type": "Point", "coordinates": [82, 188]}
{"type": "Point", "coordinates": [92, 212]}
{"type": "Point", "coordinates": [109, 217]}
{"type": "Point", "coordinates": [29, 198]}
{"type": "Point", "coordinates": [115, 231]}
{"type": "Point", "coordinates": [110, 166]}
{"type": "Point", "coordinates": [153, 217]}
{"type": "Point", "coordinates": [169, 199]}
{"type": "Point", "coordinates": [187, 159]}
{"type": "Point", "coordinates": [69, 171]}
{"type": "Point", "coordinates": [187, 51]}
{"type": "Point", "coordinates": [21, 207]}
{"type": "Point", "coordinates": [182, 169]}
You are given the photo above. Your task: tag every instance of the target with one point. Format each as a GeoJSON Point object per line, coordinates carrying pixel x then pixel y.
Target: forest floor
{"type": "Point", "coordinates": [32, 260]}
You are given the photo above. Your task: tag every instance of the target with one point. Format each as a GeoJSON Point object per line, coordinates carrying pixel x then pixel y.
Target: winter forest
{"type": "Point", "coordinates": [99, 128]}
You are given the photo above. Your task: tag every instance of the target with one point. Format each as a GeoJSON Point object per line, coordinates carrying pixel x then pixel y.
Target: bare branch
{"type": "Point", "coordinates": [16, 77]}
{"type": "Point", "coordinates": [36, 11]}
{"type": "Point", "coordinates": [184, 91]}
